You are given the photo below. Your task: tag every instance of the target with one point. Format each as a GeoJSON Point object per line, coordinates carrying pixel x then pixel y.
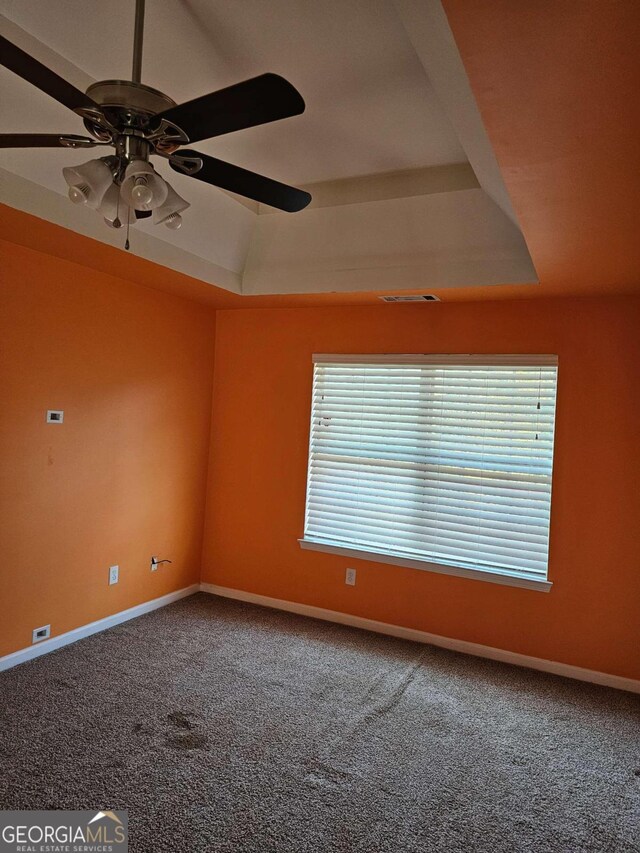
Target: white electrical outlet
{"type": "Point", "coordinates": [350, 577]}
{"type": "Point", "coordinates": [114, 572]}
{"type": "Point", "coordinates": [40, 634]}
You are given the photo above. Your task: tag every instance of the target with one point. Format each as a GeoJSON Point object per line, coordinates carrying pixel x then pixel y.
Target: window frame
{"type": "Point", "coordinates": [501, 576]}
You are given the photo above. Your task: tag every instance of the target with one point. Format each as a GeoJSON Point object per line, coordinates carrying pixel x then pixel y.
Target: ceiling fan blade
{"type": "Point", "coordinates": [241, 181]}
{"type": "Point", "coordinates": [45, 140]}
{"type": "Point", "coordinates": [262, 99]}
{"type": "Point", "coordinates": [34, 72]}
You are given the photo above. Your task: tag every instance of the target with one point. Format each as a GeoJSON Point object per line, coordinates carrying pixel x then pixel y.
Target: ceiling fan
{"type": "Point", "coordinates": [138, 121]}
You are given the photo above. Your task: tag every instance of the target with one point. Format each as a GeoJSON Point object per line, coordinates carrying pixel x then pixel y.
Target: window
{"type": "Point", "coordinates": [439, 462]}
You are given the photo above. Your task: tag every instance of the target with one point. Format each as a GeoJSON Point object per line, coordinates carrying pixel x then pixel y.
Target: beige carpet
{"type": "Point", "coordinates": [228, 727]}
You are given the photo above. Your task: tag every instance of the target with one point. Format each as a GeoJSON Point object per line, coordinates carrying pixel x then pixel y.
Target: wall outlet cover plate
{"type": "Point", "coordinates": [40, 634]}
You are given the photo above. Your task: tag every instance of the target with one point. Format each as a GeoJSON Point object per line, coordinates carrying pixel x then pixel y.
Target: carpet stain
{"type": "Point", "coordinates": [192, 740]}
{"type": "Point", "coordinates": [327, 776]}
{"type": "Point", "coordinates": [180, 719]}
{"type": "Point", "coordinates": [186, 738]}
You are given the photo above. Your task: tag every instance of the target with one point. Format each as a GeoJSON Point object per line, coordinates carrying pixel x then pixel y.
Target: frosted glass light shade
{"type": "Point", "coordinates": [142, 187]}
{"type": "Point", "coordinates": [173, 204]}
{"type": "Point", "coordinates": [112, 207]}
{"type": "Point", "coordinates": [91, 180]}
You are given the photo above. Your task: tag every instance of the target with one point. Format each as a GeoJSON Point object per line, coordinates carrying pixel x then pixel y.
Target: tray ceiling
{"type": "Point", "coordinates": [387, 99]}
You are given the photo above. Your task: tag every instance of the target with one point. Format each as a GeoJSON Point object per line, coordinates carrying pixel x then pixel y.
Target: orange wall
{"type": "Point", "coordinates": [124, 476]}
{"type": "Point", "coordinates": [255, 511]}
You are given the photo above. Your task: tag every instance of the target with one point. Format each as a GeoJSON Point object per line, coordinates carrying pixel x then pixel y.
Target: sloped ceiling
{"type": "Point", "coordinates": [558, 84]}
{"type": "Point", "coordinates": [408, 191]}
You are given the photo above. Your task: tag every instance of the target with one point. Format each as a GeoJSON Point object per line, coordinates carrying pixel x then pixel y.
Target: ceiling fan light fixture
{"type": "Point", "coordinates": [138, 121]}
{"type": "Point", "coordinates": [142, 187]}
{"type": "Point", "coordinates": [88, 182]}
{"type": "Point", "coordinates": [79, 194]}
{"type": "Point", "coordinates": [173, 222]}
{"type": "Point", "coordinates": [113, 209]}
{"type": "Point", "coordinates": [169, 212]}
{"type": "Point", "coordinates": [142, 194]}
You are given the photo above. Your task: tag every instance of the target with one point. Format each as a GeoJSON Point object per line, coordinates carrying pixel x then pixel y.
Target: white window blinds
{"type": "Point", "coordinates": [441, 459]}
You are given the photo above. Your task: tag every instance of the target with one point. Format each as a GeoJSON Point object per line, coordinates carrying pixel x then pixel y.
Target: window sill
{"type": "Point", "coordinates": [423, 565]}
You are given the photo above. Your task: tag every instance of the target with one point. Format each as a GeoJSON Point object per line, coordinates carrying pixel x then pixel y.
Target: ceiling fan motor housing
{"type": "Point", "coordinates": [128, 107]}
{"type": "Point", "coordinates": [136, 97]}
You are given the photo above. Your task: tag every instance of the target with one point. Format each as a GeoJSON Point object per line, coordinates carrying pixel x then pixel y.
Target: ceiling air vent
{"type": "Point", "coordinates": [426, 298]}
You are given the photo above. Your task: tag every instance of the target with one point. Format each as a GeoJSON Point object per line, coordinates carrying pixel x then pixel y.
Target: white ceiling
{"type": "Point", "coordinates": [385, 91]}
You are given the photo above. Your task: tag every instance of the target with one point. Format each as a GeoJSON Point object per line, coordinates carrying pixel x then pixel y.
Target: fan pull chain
{"type": "Point", "coordinates": [116, 221]}
{"type": "Point", "coordinates": [126, 245]}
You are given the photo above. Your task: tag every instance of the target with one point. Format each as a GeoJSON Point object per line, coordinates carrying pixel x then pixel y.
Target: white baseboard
{"type": "Point", "coordinates": [568, 671]}
{"type": "Point", "coordinates": [54, 643]}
